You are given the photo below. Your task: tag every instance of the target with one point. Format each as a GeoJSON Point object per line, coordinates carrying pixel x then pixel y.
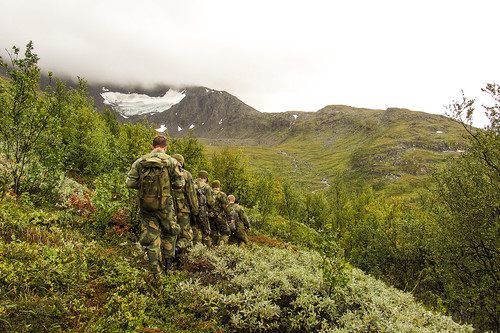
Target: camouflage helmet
{"type": "Point", "coordinates": [216, 184]}
{"type": "Point", "coordinates": [203, 174]}
{"type": "Point", "coordinates": [179, 158]}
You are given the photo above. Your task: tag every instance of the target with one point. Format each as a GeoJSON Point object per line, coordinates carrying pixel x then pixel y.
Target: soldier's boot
{"type": "Point", "coordinates": [178, 251]}
{"type": "Point", "coordinates": [197, 236]}
{"type": "Point", "coordinates": [224, 239]}
{"type": "Point", "coordinates": [157, 271]}
{"type": "Point", "coordinates": [168, 265]}
{"type": "Point", "coordinates": [207, 242]}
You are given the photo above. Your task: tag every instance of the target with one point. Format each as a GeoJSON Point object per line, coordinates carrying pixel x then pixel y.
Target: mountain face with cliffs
{"type": "Point", "coordinates": [213, 114]}
{"type": "Point", "coordinates": [208, 113]}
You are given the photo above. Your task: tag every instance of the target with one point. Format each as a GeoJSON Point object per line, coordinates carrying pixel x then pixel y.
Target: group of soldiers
{"type": "Point", "coordinates": [177, 211]}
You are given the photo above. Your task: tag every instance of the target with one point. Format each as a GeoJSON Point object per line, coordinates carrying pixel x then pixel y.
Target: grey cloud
{"type": "Point", "coordinates": [273, 55]}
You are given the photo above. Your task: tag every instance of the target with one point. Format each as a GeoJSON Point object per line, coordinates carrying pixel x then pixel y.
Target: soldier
{"type": "Point", "coordinates": [219, 228]}
{"type": "Point", "coordinates": [187, 204]}
{"type": "Point", "coordinates": [201, 225]}
{"type": "Point", "coordinates": [154, 175]}
{"type": "Point", "coordinates": [241, 222]}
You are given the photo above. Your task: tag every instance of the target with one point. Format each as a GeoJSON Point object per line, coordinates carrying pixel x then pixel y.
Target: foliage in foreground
{"type": "Point", "coordinates": [58, 275]}
{"type": "Point", "coordinates": [268, 289]}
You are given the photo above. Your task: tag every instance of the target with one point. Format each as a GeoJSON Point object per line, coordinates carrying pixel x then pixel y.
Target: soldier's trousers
{"type": "Point", "coordinates": [201, 230]}
{"type": "Point", "coordinates": [239, 236]}
{"type": "Point", "coordinates": [186, 236]}
{"type": "Point", "coordinates": [159, 232]}
{"type": "Point", "coordinates": [219, 230]}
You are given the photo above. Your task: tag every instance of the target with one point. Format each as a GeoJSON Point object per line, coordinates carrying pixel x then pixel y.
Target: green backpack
{"type": "Point", "coordinates": [154, 184]}
{"type": "Point", "coordinates": [235, 217]}
{"type": "Point", "coordinates": [202, 203]}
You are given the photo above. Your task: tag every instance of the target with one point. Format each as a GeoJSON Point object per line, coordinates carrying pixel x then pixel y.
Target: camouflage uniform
{"type": "Point", "coordinates": [159, 229]}
{"type": "Point", "coordinates": [220, 212]}
{"type": "Point", "coordinates": [187, 204]}
{"type": "Point", "coordinates": [239, 235]}
{"type": "Point", "coordinates": [201, 225]}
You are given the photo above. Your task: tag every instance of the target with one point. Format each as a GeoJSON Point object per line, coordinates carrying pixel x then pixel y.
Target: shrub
{"type": "Point", "coordinates": [54, 279]}
{"type": "Point", "coordinates": [278, 290]}
{"type": "Point", "coordinates": [278, 227]}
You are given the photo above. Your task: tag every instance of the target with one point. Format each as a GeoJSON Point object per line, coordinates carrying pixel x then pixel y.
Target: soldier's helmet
{"type": "Point", "coordinates": [179, 158]}
{"type": "Point", "coordinates": [203, 174]}
{"type": "Point", "coordinates": [216, 184]}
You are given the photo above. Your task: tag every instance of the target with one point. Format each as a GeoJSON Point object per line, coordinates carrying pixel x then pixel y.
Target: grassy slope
{"type": "Point", "coordinates": [395, 150]}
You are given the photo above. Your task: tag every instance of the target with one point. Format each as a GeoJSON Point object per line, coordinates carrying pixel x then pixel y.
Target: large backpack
{"type": "Point", "coordinates": [235, 217]}
{"type": "Point", "coordinates": [202, 204]}
{"type": "Point", "coordinates": [154, 184]}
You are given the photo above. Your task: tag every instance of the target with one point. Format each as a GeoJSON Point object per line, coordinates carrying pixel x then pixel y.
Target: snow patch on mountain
{"type": "Point", "coordinates": [132, 104]}
{"type": "Point", "coordinates": [162, 128]}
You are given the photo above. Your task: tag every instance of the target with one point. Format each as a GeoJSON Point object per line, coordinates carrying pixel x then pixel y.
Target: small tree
{"type": "Point", "coordinates": [291, 204]}
{"type": "Point", "coordinates": [86, 138]}
{"type": "Point", "coordinates": [468, 241]}
{"type": "Point", "coordinates": [341, 209]}
{"type": "Point", "coordinates": [265, 196]}
{"type": "Point", "coordinates": [134, 140]}
{"type": "Point", "coordinates": [192, 150]}
{"type": "Point", "coordinates": [316, 209]}
{"type": "Point", "coordinates": [25, 117]}
{"type": "Point", "coordinates": [231, 169]}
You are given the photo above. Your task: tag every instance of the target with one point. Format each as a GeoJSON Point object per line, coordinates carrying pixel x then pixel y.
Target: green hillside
{"type": "Point", "coordinates": [393, 150]}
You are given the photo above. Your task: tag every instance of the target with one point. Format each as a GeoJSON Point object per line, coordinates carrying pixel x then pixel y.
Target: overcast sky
{"type": "Point", "coordinates": [273, 55]}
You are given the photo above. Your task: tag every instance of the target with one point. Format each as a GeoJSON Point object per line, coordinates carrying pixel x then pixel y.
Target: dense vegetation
{"type": "Point", "coordinates": [69, 260]}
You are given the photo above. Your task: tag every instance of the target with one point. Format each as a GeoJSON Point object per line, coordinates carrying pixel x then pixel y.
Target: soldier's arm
{"type": "Point", "coordinates": [225, 205]}
{"type": "Point", "coordinates": [132, 180]}
{"type": "Point", "coordinates": [209, 194]}
{"type": "Point", "coordinates": [191, 194]}
{"type": "Point", "coordinates": [175, 173]}
{"type": "Point", "coordinates": [243, 217]}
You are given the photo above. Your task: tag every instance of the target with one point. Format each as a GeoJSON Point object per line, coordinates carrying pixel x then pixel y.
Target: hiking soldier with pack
{"type": "Point", "coordinates": [219, 228]}
{"type": "Point", "coordinates": [201, 224]}
{"type": "Point", "coordinates": [187, 204]}
{"type": "Point", "coordinates": [155, 175]}
{"type": "Point", "coordinates": [241, 223]}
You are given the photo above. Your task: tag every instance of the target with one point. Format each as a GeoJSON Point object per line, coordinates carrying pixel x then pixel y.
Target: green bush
{"type": "Point", "coordinates": [279, 290]}
{"type": "Point", "coordinates": [56, 276]}
{"type": "Point", "coordinates": [278, 227]}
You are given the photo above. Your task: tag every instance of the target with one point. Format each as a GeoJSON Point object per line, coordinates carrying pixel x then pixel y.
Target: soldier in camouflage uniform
{"type": "Point", "coordinates": [201, 224]}
{"type": "Point", "coordinates": [159, 228]}
{"type": "Point", "coordinates": [187, 204]}
{"type": "Point", "coordinates": [218, 216]}
{"type": "Point", "coordinates": [241, 222]}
